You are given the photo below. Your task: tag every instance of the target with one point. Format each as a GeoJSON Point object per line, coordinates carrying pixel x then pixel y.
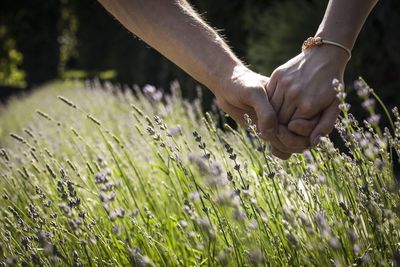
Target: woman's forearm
{"type": "Point", "coordinates": [344, 19]}
{"type": "Point", "coordinates": [174, 29]}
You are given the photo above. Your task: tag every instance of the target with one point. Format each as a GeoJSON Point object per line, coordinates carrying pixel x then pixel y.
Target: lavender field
{"type": "Point", "coordinates": [91, 175]}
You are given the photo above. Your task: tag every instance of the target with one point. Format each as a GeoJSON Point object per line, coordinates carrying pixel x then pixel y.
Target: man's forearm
{"type": "Point", "coordinates": [174, 29]}
{"type": "Point", "coordinates": [344, 19]}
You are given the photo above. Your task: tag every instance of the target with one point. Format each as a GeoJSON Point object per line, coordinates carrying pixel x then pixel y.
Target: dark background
{"type": "Point", "coordinates": [43, 40]}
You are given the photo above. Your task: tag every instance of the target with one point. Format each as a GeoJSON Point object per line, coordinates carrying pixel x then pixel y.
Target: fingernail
{"type": "Point", "coordinates": [316, 140]}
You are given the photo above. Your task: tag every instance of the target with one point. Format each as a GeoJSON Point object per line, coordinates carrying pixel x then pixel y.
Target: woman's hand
{"type": "Point", "coordinates": [302, 90]}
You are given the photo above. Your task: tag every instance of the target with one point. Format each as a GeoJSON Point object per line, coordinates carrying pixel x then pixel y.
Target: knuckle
{"type": "Point", "coordinates": [277, 73]}
{"type": "Point", "coordinates": [285, 82]}
{"type": "Point", "coordinates": [293, 92]}
{"type": "Point", "coordinates": [268, 119]}
{"type": "Point", "coordinates": [307, 108]}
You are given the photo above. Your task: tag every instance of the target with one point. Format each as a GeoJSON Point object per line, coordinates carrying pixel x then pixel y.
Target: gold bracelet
{"type": "Point", "coordinates": [318, 41]}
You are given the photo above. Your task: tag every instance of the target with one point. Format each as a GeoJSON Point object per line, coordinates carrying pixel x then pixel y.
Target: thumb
{"type": "Point", "coordinates": [326, 123]}
{"type": "Point", "coordinates": [303, 127]}
{"type": "Point", "coordinates": [267, 119]}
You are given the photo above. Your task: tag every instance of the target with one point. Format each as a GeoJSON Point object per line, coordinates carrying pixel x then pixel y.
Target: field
{"type": "Point", "coordinates": [91, 175]}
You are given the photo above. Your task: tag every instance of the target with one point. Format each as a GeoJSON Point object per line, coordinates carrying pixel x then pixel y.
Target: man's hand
{"type": "Point", "coordinates": [244, 93]}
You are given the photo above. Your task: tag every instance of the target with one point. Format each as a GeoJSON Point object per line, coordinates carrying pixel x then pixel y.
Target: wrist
{"type": "Point", "coordinates": [342, 35]}
{"type": "Point", "coordinates": [224, 76]}
{"type": "Point", "coordinates": [318, 41]}
{"type": "Point", "coordinates": [328, 54]}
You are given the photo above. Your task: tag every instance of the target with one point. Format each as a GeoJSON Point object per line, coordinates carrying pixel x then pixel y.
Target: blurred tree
{"type": "Point", "coordinates": [34, 27]}
{"type": "Point", "coordinates": [280, 30]}
{"type": "Point", "coordinates": [102, 43]}
{"type": "Point", "coordinates": [376, 54]}
{"type": "Point", "coordinates": [68, 41]}
{"type": "Point", "coordinates": [10, 62]}
{"type": "Point", "coordinates": [44, 39]}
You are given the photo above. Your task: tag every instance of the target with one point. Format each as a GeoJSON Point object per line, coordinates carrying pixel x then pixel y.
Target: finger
{"type": "Point", "coordinates": [282, 155]}
{"type": "Point", "coordinates": [271, 86]}
{"type": "Point", "coordinates": [303, 127]}
{"type": "Point", "coordinates": [237, 113]}
{"type": "Point", "coordinates": [292, 140]}
{"type": "Point", "coordinates": [277, 98]}
{"type": "Point", "coordinates": [286, 112]}
{"type": "Point", "coordinates": [287, 103]}
{"type": "Point", "coordinates": [267, 120]}
{"type": "Point", "coordinates": [277, 143]}
{"type": "Point", "coordinates": [326, 123]}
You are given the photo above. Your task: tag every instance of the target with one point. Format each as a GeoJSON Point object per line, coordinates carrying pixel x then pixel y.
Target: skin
{"type": "Point", "coordinates": [204, 55]}
{"type": "Point", "coordinates": [302, 87]}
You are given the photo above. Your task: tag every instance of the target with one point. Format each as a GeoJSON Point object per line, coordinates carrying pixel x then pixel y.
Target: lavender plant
{"type": "Point", "coordinates": [103, 176]}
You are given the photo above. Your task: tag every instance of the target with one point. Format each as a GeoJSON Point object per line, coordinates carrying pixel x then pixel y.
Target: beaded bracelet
{"type": "Point", "coordinates": [318, 41]}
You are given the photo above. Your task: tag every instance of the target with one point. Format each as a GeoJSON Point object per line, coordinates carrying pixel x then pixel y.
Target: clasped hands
{"type": "Point", "coordinates": [295, 106]}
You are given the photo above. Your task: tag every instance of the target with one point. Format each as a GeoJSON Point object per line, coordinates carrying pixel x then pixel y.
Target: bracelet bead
{"type": "Point", "coordinates": [318, 41]}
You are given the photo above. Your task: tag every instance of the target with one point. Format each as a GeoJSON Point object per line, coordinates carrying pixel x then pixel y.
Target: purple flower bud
{"type": "Point", "coordinates": [368, 104]}
{"type": "Point", "coordinates": [374, 119]}
{"type": "Point", "coordinates": [335, 82]}
{"type": "Point", "coordinates": [175, 130]}
{"type": "Point", "coordinates": [149, 89]}
{"type": "Point", "coordinates": [157, 96]}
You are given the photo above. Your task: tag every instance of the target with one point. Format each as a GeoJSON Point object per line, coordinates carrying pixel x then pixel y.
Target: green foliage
{"type": "Point", "coordinates": [376, 56]}
{"type": "Point", "coordinates": [280, 31]}
{"type": "Point", "coordinates": [105, 177]}
{"type": "Point", "coordinates": [33, 26]}
{"type": "Point", "coordinates": [67, 39]}
{"type": "Point", "coordinates": [10, 62]}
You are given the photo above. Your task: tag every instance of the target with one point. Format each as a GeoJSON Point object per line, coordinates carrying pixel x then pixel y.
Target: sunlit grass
{"type": "Point", "coordinates": [91, 175]}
